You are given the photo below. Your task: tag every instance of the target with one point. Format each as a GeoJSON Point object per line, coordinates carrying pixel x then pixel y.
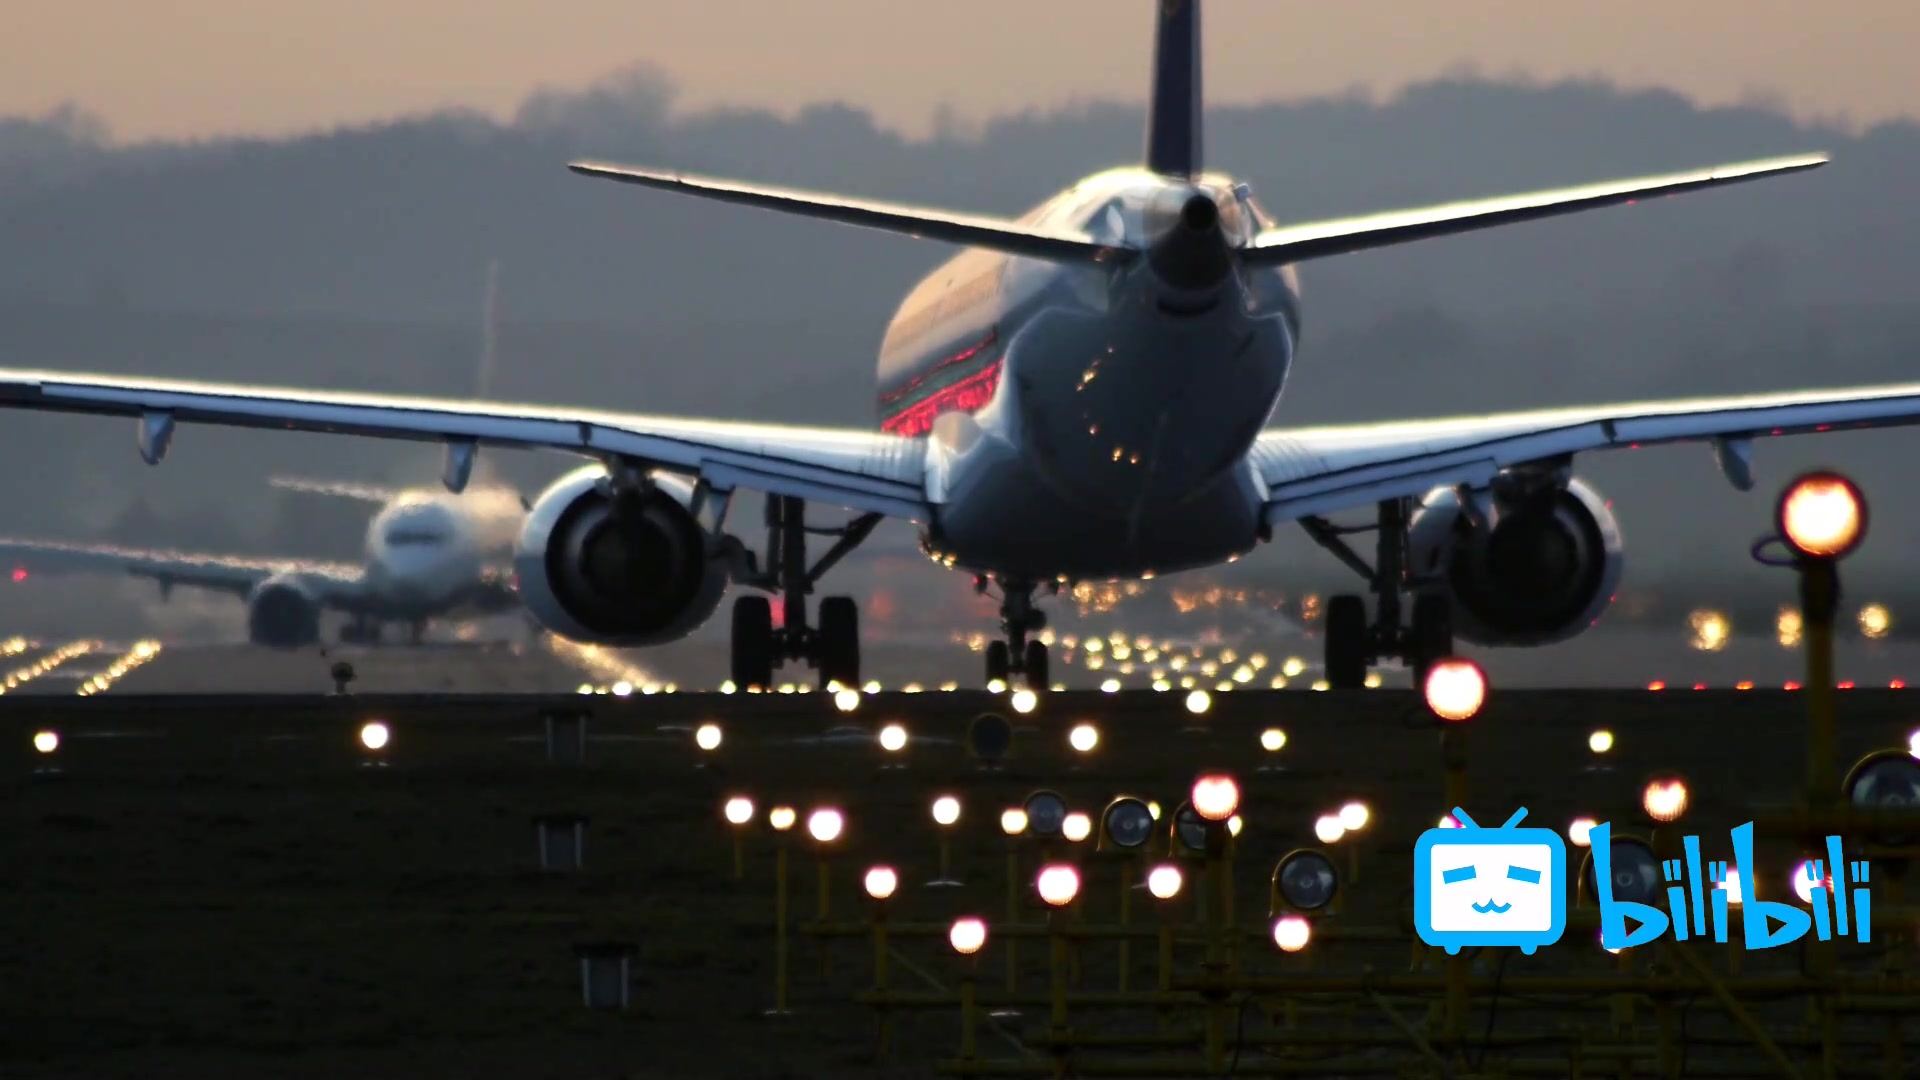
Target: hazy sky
{"type": "Point", "coordinates": [201, 67]}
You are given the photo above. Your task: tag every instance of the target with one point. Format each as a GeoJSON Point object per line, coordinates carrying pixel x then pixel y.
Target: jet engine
{"type": "Point", "coordinates": [647, 575]}
{"type": "Point", "coordinates": [1528, 562]}
{"type": "Point", "coordinates": [283, 613]}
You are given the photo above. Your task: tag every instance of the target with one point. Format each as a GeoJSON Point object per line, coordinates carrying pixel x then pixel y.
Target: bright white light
{"type": "Point", "coordinates": [893, 738]}
{"type": "Point", "coordinates": [1802, 887]}
{"type": "Point", "coordinates": [872, 687]}
{"type": "Point", "coordinates": [1456, 689]}
{"type": "Point", "coordinates": [1076, 827]}
{"type": "Point", "coordinates": [1164, 882]}
{"type": "Point", "coordinates": [1273, 740]}
{"type": "Point", "coordinates": [739, 810]}
{"type": "Point", "coordinates": [946, 810]}
{"type": "Point", "coordinates": [1024, 701]}
{"type": "Point", "coordinates": [1084, 737]}
{"type": "Point", "coordinates": [1913, 743]}
{"type": "Point", "coordinates": [1603, 944]}
{"type": "Point", "coordinates": [1013, 822]}
{"type": "Point", "coordinates": [1291, 933]}
{"type": "Point", "coordinates": [1058, 885]}
{"type": "Point", "coordinates": [1235, 824]}
{"type": "Point", "coordinates": [846, 699]}
{"type": "Point", "coordinates": [996, 686]}
{"type": "Point", "coordinates": [1215, 797]}
{"type": "Point", "coordinates": [1328, 829]}
{"type": "Point", "coordinates": [375, 735]}
{"type": "Point", "coordinates": [781, 818]}
{"type": "Point", "coordinates": [707, 736]}
{"type": "Point", "coordinates": [1110, 686]}
{"type": "Point", "coordinates": [968, 936]}
{"type": "Point", "coordinates": [1600, 741]}
{"type": "Point", "coordinates": [1821, 516]}
{"type": "Point", "coordinates": [622, 688]}
{"type": "Point", "coordinates": [1665, 800]}
{"type": "Point", "coordinates": [1199, 702]}
{"type": "Point", "coordinates": [1354, 816]}
{"type": "Point", "coordinates": [824, 825]}
{"type": "Point", "coordinates": [1580, 831]}
{"type": "Point", "coordinates": [1448, 821]}
{"type": "Point", "coordinates": [881, 881]}
{"type": "Point", "coordinates": [46, 742]}
{"type": "Point", "coordinates": [1730, 884]}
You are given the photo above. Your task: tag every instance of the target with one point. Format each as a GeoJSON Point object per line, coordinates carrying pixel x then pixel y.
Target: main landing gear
{"type": "Point", "coordinates": [833, 646]}
{"type": "Point", "coordinates": [360, 630]}
{"type": "Point", "coordinates": [1017, 655]}
{"type": "Point", "coordinates": [1352, 642]}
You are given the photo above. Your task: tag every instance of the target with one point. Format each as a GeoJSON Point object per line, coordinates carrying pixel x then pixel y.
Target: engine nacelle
{"type": "Point", "coordinates": [1530, 569]}
{"type": "Point", "coordinates": [283, 613]}
{"type": "Point", "coordinates": [585, 580]}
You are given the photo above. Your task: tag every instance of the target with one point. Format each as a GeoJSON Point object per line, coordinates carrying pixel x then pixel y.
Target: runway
{"type": "Point", "coordinates": [211, 883]}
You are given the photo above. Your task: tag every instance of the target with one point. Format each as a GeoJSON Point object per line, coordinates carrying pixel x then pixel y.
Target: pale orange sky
{"type": "Point", "coordinates": [206, 67]}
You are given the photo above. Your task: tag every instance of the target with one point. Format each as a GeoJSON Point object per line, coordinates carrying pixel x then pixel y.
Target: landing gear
{"type": "Point", "coordinates": [1352, 642]}
{"type": "Point", "coordinates": [1017, 655]}
{"type": "Point", "coordinates": [833, 647]}
{"type": "Point", "coordinates": [360, 631]}
{"type": "Point", "coordinates": [417, 631]}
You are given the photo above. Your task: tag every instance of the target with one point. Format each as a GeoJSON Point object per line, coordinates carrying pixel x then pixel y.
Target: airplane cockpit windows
{"type": "Point", "coordinates": [416, 538]}
{"type": "Point", "coordinates": [1113, 222]}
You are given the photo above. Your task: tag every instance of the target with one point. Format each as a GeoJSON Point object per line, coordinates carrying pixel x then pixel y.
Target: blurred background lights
{"type": "Point", "coordinates": [1328, 829]}
{"type": "Point", "coordinates": [707, 736]}
{"type": "Point", "coordinates": [846, 699]}
{"type": "Point", "coordinates": [1581, 830]}
{"type": "Point", "coordinates": [893, 738]}
{"type": "Point", "coordinates": [1354, 816]}
{"type": "Point", "coordinates": [374, 735]}
{"type": "Point", "coordinates": [781, 818]}
{"type": "Point", "coordinates": [825, 824]}
{"type": "Point", "coordinates": [1665, 799]}
{"type": "Point", "coordinates": [1164, 882]}
{"type": "Point", "coordinates": [739, 810]}
{"type": "Point", "coordinates": [1600, 741]}
{"type": "Point", "coordinates": [1291, 933]}
{"type": "Point", "coordinates": [1199, 702]}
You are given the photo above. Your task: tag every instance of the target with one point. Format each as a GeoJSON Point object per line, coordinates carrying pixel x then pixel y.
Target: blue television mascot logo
{"type": "Point", "coordinates": [1477, 887]}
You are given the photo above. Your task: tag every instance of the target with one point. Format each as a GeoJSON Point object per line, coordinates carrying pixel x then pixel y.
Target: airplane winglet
{"type": "Point", "coordinates": [1294, 243]}
{"type": "Point", "coordinates": [971, 230]}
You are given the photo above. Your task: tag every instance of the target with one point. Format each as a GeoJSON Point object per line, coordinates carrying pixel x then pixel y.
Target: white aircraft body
{"type": "Point", "coordinates": [428, 555]}
{"type": "Point", "coordinates": [1081, 394]}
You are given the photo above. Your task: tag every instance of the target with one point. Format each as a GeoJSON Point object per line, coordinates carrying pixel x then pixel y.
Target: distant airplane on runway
{"type": "Point", "coordinates": [1080, 395]}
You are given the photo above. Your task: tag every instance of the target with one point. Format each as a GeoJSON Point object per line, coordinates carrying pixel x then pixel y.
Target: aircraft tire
{"type": "Point", "coordinates": [999, 661]}
{"type": "Point", "coordinates": [839, 658]}
{"type": "Point", "coordinates": [1346, 643]}
{"type": "Point", "coordinates": [752, 642]}
{"type": "Point", "coordinates": [1035, 667]}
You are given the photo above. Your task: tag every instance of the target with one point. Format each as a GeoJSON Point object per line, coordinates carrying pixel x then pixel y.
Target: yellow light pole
{"type": "Point", "coordinates": [780, 819]}
{"type": "Point", "coordinates": [739, 812]}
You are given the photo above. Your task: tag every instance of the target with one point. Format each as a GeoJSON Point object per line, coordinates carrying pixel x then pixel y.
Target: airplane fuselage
{"type": "Point", "coordinates": [1093, 421]}
{"type": "Point", "coordinates": [424, 557]}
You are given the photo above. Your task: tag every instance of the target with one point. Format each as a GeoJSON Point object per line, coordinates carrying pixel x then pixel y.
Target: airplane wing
{"type": "Point", "coordinates": [334, 583]}
{"type": "Point", "coordinates": [860, 470]}
{"type": "Point", "coordinates": [1313, 471]}
{"type": "Point", "coordinates": [1313, 240]}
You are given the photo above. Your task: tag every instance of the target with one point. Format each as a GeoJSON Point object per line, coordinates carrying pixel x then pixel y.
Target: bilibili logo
{"type": "Point", "coordinates": [1689, 911]}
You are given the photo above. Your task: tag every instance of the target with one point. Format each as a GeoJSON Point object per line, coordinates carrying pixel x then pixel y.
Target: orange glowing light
{"type": "Point", "coordinates": [1823, 515]}
{"type": "Point", "coordinates": [1456, 689]}
{"type": "Point", "coordinates": [1656, 685]}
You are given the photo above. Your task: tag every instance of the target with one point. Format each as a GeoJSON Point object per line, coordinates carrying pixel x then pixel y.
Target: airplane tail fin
{"type": "Point", "coordinates": [1174, 109]}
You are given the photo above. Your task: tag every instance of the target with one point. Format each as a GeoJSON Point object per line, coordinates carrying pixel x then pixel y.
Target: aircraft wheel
{"type": "Point", "coordinates": [1347, 634]}
{"type": "Point", "coordinates": [1036, 667]}
{"type": "Point", "coordinates": [839, 639]}
{"type": "Point", "coordinates": [752, 642]}
{"type": "Point", "coordinates": [999, 661]}
{"type": "Point", "coordinates": [1431, 636]}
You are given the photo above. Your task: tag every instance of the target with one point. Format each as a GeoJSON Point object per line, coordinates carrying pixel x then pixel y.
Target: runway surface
{"type": "Point", "coordinates": [225, 889]}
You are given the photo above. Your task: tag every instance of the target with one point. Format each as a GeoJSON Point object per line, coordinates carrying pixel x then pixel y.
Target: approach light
{"type": "Point", "coordinates": [1058, 884]}
{"type": "Point", "coordinates": [1328, 829]}
{"type": "Point", "coordinates": [1665, 798]}
{"type": "Point", "coordinates": [1635, 870]}
{"type": "Point", "coordinates": [46, 742]}
{"type": "Point", "coordinates": [1822, 515]}
{"type": "Point", "coordinates": [1600, 741]}
{"type": "Point", "coordinates": [881, 882]}
{"type": "Point", "coordinates": [1730, 884]}
{"type": "Point", "coordinates": [1291, 933]}
{"type": "Point", "coordinates": [1024, 701]}
{"type": "Point", "coordinates": [374, 735]}
{"type": "Point", "coordinates": [1164, 881]}
{"type": "Point", "coordinates": [707, 736]}
{"type": "Point", "coordinates": [1126, 823]}
{"type": "Point", "coordinates": [1076, 827]}
{"type": "Point", "coordinates": [967, 936]}
{"type": "Point", "coordinates": [1304, 880]}
{"type": "Point", "coordinates": [1013, 821]}
{"type": "Point", "coordinates": [781, 818]}
{"type": "Point", "coordinates": [1273, 740]}
{"type": "Point", "coordinates": [946, 810]}
{"type": "Point", "coordinates": [1083, 738]}
{"type": "Point", "coordinates": [1455, 689]}
{"type": "Point", "coordinates": [1215, 796]}
{"type": "Point", "coordinates": [1199, 702]}
{"type": "Point", "coordinates": [1804, 880]}
{"type": "Point", "coordinates": [1046, 813]}
{"type": "Point", "coordinates": [1885, 780]}
{"type": "Point", "coordinates": [739, 810]}
{"type": "Point", "coordinates": [1581, 831]}
{"type": "Point", "coordinates": [846, 699]}
{"type": "Point", "coordinates": [1354, 816]}
{"type": "Point", "coordinates": [1235, 824]}
{"type": "Point", "coordinates": [893, 738]}
{"type": "Point", "coordinates": [825, 825]}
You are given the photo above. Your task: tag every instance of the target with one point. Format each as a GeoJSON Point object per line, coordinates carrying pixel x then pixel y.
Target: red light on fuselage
{"type": "Point", "coordinates": [19, 573]}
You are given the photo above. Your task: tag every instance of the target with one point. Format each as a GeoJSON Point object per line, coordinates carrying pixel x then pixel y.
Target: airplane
{"type": "Point", "coordinates": [427, 556]}
{"type": "Point", "coordinates": [1082, 393]}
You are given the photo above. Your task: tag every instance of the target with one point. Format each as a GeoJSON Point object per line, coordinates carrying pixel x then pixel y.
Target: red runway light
{"type": "Point", "coordinates": [1791, 686]}
{"type": "Point", "coordinates": [1699, 686]}
{"type": "Point", "coordinates": [1848, 685]}
{"type": "Point", "coordinates": [1656, 685]}
{"type": "Point", "coordinates": [1743, 686]}
{"type": "Point", "coordinates": [1897, 684]}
